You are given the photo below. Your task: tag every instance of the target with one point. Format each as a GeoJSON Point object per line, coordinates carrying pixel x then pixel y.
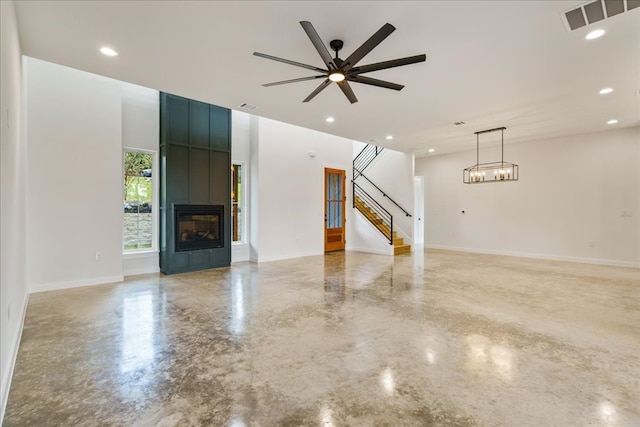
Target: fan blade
{"type": "Point", "coordinates": [368, 46]}
{"type": "Point", "coordinates": [348, 92]}
{"type": "Point", "coordinates": [301, 79]}
{"type": "Point", "coordinates": [319, 89]}
{"type": "Point", "coordinates": [317, 42]}
{"type": "Point", "coordinates": [388, 64]}
{"type": "Point", "coordinates": [375, 82]}
{"type": "Point", "coordinates": [286, 61]}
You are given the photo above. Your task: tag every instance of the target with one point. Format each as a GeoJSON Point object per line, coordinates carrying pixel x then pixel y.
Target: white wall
{"type": "Point", "coordinates": [290, 205]}
{"type": "Point", "coordinates": [141, 130]}
{"type": "Point", "coordinates": [74, 190]}
{"type": "Point", "coordinates": [392, 172]}
{"type": "Point", "coordinates": [140, 117]}
{"type": "Point", "coordinates": [365, 237]}
{"type": "Point", "coordinates": [254, 173]}
{"type": "Point", "coordinates": [567, 204]}
{"type": "Point", "coordinates": [13, 285]}
{"type": "Point", "coordinates": [241, 153]}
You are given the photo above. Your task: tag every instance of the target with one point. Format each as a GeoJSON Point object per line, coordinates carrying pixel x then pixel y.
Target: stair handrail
{"type": "Point", "coordinates": [375, 206]}
{"type": "Point", "coordinates": [383, 193]}
{"type": "Point", "coordinates": [378, 150]}
{"type": "Point", "coordinates": [366, 156]}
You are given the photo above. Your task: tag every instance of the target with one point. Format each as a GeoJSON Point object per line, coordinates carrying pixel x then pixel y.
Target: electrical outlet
{"type": "Point", "coordinates": [592, 244]}
{"type": "Point", "coordinates": [626, 214]}
{"type": "Point", "coordinates": [98, 256]}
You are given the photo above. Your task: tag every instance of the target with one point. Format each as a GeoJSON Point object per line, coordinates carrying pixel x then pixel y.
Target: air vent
{"type": "Point", "coordinates": [596, 11]}
{"type": "Point", "coordinates": [614, 7]}
{"type": "Point", "coordinates": [247, 106]}
{"type": "Point", "coordinates": [458, 123]}
{"type": "Point", "coordinates": [575, 18]}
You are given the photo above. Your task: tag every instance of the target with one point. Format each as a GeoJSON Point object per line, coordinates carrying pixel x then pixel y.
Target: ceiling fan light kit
{"type": "Point", "coordinates": [490, 172]}
{"type": "Point", "coordinates": [337, 76]}
{"type": "Point", "coordinates": [341, 71]}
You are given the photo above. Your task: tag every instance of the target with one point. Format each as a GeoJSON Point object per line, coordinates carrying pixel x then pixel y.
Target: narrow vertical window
{"type": "Point", "coordinates": [237, 201]}
{"type": "Point", "coordinates": [138, 201]}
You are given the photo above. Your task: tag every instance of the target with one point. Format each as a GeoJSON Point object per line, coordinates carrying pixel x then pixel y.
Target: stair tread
{"type": "Point", "coordinates": [402, 249]}
{"type": "Point", "coordinates": [378, 222]}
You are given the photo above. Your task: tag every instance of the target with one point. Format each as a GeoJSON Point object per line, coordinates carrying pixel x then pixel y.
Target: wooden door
{"type": "Point", "coordinates": [334, 210]}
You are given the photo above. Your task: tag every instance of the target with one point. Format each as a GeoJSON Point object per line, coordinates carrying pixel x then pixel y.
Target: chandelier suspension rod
{"type": "Point", "coordinates": [501, 129]}
{"type": "Point", "coordinates": [502, 148]}
{"type": "Point", "coordinates": [477, 149]}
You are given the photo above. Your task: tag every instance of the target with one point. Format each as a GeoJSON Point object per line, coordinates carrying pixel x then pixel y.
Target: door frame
{"type": "Point", "coordinates": [338, 246]}
{"type": "Point", "coordinates": [418, 211]}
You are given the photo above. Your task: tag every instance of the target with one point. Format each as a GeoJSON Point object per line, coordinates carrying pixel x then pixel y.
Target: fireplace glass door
{"type": "Point", "coordinates": [198, 227]}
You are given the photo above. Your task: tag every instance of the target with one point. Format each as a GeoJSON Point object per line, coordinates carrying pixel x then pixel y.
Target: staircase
{"type": "Point", "coordinates": [399, 246]}
{"type": "Point", "coordinates": [373, 211]}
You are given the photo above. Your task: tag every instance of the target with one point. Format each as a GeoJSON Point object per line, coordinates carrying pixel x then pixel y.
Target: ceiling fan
{"type": "Point", "coordinates": [344, 71]}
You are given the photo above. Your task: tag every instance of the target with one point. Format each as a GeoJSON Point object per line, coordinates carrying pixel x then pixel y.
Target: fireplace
{"type": "Point", "coordinates": [195, 173]}
{"type": "Point", "coordinates": [199, 227]}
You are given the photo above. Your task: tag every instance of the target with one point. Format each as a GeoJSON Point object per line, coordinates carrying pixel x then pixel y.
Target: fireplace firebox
{"type": "Point", "coordinates": [199, 227]}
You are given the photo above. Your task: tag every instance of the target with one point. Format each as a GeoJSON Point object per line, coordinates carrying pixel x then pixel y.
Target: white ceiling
{"type": "Point", "coordinates": [489, 63]}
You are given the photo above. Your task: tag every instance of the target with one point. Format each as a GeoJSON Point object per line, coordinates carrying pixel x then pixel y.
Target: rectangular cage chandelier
{"type": "Point", "coordinates": [490, 172]}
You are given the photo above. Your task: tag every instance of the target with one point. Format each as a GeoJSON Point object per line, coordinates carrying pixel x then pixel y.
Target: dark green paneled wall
{"type": "Point", "coordinates": [195, 168]}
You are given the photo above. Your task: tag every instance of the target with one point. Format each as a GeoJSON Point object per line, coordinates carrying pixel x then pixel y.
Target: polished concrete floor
{"type": "Point", "coordinates": [442, 339]}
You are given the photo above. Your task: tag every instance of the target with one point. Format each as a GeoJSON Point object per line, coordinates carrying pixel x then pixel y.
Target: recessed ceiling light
{"type": "Point", "coordinates": [612, 122]}
{"type": "Point", "coordinates": [330, 120]}
{"type": "Point", "coordinates": [108, 51]}
{"type": "Point", "coordinates": [594, 34]}
{"type": "Point", "coordinates": [431, 150]}
{"type": "Point", "coordinates": [605, 91]}
{"type": "Point", "coordinates": [389, 137]}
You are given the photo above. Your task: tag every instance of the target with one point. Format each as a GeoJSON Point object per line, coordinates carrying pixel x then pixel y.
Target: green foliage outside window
{"type": "Point", "coordinates": [138, 195]}
{"type": "Point", "coordinates": [134, 166]}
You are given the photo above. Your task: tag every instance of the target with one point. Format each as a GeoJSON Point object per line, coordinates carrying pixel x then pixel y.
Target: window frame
{"type": "Point", "coordinates": [155, 202]}
{"type": "Point", "coordinates": [242, 217]}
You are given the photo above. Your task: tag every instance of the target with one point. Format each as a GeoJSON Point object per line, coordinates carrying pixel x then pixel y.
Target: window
{"type": "Point", "coordinates": [139, 229]}
{"type": "Point", "coordinates": [237, 202]}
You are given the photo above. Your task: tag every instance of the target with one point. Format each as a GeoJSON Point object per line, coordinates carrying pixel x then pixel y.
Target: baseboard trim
{"type": "Point", "coordinates": [612, 263]}
{"type": "Point", "coordinates": [6, 380]}
{"type": "Point", "coordinates": [288, 256]}
{"type": "Point", "coordinates": [371, 251]}
{"type": "Point", "coordinates": [76, 283]}
{"type": "Point", "coordinates": [138, 271]}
